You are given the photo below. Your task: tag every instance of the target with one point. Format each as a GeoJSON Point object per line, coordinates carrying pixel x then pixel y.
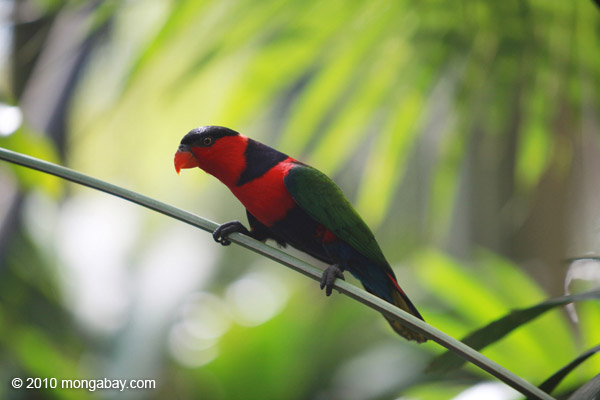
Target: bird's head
{"type": "Point", "coordinates": [215, 149]}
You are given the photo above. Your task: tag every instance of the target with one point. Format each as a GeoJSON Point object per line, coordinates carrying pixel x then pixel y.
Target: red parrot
{"type": "Point", "coordinates": [293, 203]}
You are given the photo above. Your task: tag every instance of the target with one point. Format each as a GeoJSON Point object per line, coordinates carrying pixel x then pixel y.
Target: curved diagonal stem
{"type": "Point", "coordinates": [294, 263]}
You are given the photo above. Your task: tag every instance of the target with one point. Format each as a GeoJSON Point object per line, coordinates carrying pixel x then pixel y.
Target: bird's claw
{"type": "Point", "coordinates": [223, 231]}
{"type": "Point", "coordinates": [329, 276]}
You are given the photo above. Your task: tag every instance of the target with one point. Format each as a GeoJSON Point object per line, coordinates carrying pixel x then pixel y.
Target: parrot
{"type": "Point", "coordinates": [293, 203]}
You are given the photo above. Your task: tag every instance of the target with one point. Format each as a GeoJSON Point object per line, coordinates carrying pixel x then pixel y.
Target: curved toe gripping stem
{"type": "Point", "coordinates": [223, 231]}
{"type": "Point", "coordinates": [329, 276]}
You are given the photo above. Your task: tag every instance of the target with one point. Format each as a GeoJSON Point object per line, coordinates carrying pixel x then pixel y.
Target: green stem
{"type": "Point", "coordinates": [294, 263]}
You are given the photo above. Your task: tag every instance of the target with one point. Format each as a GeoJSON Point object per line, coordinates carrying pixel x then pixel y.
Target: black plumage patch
{"type": "Point", "coordinates": [261, 232]}
{"type": "Point", "coordinates": [196, 136]}
{"type": "Point", "coordinates": [300, 231]}
{"type": "Point", "coordinates": [259, 159]}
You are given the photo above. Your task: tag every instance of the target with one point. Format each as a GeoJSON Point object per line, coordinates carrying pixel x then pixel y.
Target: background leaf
{"type": "Point", "coordinates": [549, 384]}
{"type": "Point", "coordinates": [590, 390]}
{"type": "Point", "coordinates": [501, 327]}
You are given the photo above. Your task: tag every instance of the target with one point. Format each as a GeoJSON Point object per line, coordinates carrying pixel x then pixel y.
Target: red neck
{"type": "Point", "coordinates": [225, 159]}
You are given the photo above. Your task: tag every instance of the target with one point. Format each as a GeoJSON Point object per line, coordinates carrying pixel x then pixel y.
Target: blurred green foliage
{"type": "Point", "coordinates": [464, 132]}
{"type": "Point", "coordinates": [35, 145]}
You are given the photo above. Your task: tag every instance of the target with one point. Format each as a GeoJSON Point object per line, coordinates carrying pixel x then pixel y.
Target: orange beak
{"type": "Point", "coordinates": [184, 158]}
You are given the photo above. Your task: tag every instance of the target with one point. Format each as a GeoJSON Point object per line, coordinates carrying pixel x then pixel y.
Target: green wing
{"type": "Point", "coordinates": [324, 201]}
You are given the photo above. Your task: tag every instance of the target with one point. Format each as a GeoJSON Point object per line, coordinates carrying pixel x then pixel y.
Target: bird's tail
{"type": "Point", "coordinates": [401, 300]}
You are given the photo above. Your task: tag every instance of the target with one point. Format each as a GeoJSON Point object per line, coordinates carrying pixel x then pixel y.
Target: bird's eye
{"type": "Point", "coordinates": [207, 141]}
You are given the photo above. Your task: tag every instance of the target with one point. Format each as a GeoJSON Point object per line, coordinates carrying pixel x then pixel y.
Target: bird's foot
{"type": "Point", "coordinates": [222, 232]}
{"type": "Point", "coordinates": [329, 276]}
